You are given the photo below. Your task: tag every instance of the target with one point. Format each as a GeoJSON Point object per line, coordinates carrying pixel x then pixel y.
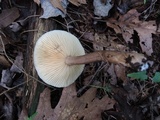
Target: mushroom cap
{"type": "Point", "coordinates": [50, 52]}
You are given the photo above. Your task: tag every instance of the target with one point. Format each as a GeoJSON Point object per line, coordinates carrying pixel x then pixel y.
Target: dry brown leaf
{"type": "Point", "coordinates": [37, 1]}
{"type": "Point", "coordinates": [121, 73]}
{"type": "Point", "coordinates": [4, 62]}
{"type": "Point", "coordinates": [130, 22]}
{"type": "Point", "coordinates": [44, 110]}
{"type": "Point", "coordinates": [89, 36]}
{"type": "Point", "coordinates": [88, 107]}
{"type": "Point", "coordinates": [70, 107]}
{"type": "Point", "coordinates": [8, 16]}
{"type": "Point", "coordinates": [115, 27]}
{"type": "Point", "coordinates": [143, 28]}
{"type": "Point", "coordinates": [78, 2]}
{"type": "Point", "coordinates": [145, 35]}
{"type": "Point", "coordinates": [23, 115]}
{"type": "Point", "coordinates": [101, 41]}
{"type": "Point", "coordinates": [58, 4]}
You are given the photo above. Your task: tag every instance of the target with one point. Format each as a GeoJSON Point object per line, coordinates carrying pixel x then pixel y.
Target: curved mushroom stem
{"type": "Point", "coordinates": [124, 58]}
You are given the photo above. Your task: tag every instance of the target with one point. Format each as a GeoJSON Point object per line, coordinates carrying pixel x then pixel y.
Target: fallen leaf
{"type": "Point", "coordinates": [37, 1]}
{"type": "Point", "coordinates": [88, 107]}
{"type": "Point", "coordinates": [129, 23]}
{"type": "Point", "coordinates": [121, 73]}
{"type": "Point", "coordinates": [88, 36]}
{"type": "Point", "coordinates": [133, 92]}
{"type": "Point", "coordinates": [115, 27]}
{"type": "Point", "coordinates": [111, 72]}
{"type": "Point", "coordinates": [51, 11]}
{"type": "Point", "coordinates": [44, 110]}
{"type": "Point", "coordinates": [145, 35]}
{"type": "Point", "coordinates": [77, 2]}
{"type": "Point", "coordinates": [126, 24]}
{"type": "Point", "coordinates": [126, 111]}
{"type": "Point", "coordinates": [23, 115]}
{"type": "Point", "coordinates": [15, 26]}
{"type": "Point", "coordinates": [18, 63]}
{"type": "Point", "coordinates": [8, 16]}
{"type": "Point", "coordinates": [5, 40]}
{"type": "Point", "coordinates": [4, 62]}
{"type": "Point", "coordinates": [101, 40]}
{"type": "Point", "coordinates": [70, 107]}
{"type": "Point", "coordinates": [102, 9]}
{"type": "Point", "coordinates": [6, 77]}
{"type": "Point", "coordinates": [58, 4]}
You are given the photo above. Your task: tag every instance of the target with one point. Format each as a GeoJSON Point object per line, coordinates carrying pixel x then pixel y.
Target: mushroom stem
{"type": "Point", "coordinates": [123, 58]}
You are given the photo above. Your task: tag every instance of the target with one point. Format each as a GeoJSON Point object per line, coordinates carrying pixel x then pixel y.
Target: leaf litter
{"type": "Point", "coordinates": [119, 28]}
{"type": "Point", "coordinates": [72, 107]}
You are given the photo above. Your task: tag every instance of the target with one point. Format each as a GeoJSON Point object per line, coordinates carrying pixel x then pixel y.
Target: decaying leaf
{"type": "Point", "coordinates": [101, 40]}
{"type": "Point", "coordinates": [130, 22]}
{"type": "Point", "coordinates": [87, 106]}
{"type": "Point", "coordinates": [77, 2]}
{"type": "Point", "coordinates": [116, 28]}
{"type": "Point", "coordinates": [18, 63]}
{"type": "Point", "coordinates": [58, 4]}
{"type": "Point", "coordinates": [44, 110]}
{"type": "Point", "coordinates": [145, 35]}
{"type": "Point", "coordinates": [121, 73]}
{"type": "Point", "coordinates": [133, 92]}
{"type": "Point", "coordinates": [4, 62]}
{"type": "Point", "coordinates": [102, 9]}
{"type": "Point", "coordinates": [6, 78]}
{"type": "Point", "coordinates": [89, 36]}
{"type": "Point", "coordinates": [70, 107]}
{"type": "Point", "coordinates": [53, 9]}
{"type": "Point", "coordinates": [8, 16]}
{"type": "Point", "coordinates": [4, 41]}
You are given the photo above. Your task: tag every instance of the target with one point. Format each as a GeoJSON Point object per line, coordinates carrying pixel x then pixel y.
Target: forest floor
{"type": "Point", "coordinates": [121, 90]}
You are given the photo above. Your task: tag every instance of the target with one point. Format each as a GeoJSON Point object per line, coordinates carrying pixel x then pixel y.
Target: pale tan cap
{"type": "Point", "coordinates": [50, 52]}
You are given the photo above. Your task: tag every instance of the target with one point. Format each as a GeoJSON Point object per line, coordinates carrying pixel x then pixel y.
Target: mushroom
{"type": "Point", "coordinates": [59, 58]}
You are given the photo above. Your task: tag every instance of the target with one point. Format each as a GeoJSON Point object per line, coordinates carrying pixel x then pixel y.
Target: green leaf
{"type": "Point", "coordinates": [156, 77]}
{"type": "Point", "coordinates": [138, 75]}
{"type": "Point", "coordinates": [32, 116]}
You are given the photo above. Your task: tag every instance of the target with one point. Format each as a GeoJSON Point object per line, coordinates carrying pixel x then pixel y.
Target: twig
{"type": "Point", "coordinates": [1, 116]}
{"type": "Point", "coordinates": [150, 8]}
{"type": "Point", "coordinates": [31, 17]}
{"type": "Point", "coordinates": [35, 30]}
{"type": "Point", "coordinates": [59, 22]}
